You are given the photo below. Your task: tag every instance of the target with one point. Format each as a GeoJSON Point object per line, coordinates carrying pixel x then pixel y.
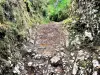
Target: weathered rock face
{"type": "Point", "coordinates": [85, 36]}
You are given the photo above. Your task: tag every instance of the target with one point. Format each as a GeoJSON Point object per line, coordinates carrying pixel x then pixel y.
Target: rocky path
{"type": "Point", "coordinates": [45, 53]}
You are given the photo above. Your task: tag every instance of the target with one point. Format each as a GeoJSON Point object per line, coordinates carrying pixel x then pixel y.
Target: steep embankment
{"type": "Point", "coordinates": [16, 17]}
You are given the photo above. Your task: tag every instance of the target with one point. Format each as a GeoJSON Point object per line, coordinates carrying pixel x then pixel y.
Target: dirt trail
{"type": "Point", "coordinates": [50, 37]}
{"type": "Point", "coordinates": [45, 50]}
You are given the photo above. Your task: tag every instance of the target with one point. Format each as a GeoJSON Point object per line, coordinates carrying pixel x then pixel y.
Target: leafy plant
{"type": "Point", "coordinates": [57, 6]}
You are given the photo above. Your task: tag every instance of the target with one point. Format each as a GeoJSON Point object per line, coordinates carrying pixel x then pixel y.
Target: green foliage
{"type": "Point", "coordinates": [2, 1]}
{"type": "Point", "coordinates": [56, 6]}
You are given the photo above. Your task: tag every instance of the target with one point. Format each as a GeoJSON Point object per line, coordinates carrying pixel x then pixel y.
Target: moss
{"type": "Point", "coordinates": [1, 14]}
{"type": "Point", "coordinates": [2, 1]}
{"type": "Point", "coordinates": [84, 63]}
{"type": "Point", "coordinates": [68, 22]}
